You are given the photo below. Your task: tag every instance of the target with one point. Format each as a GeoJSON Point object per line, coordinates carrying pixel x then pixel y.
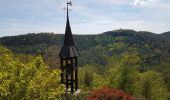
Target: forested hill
{"type": "Point", "coordinates": [94, 49]}
{"type": "Point", "coordinates": [112, 55]}
{"type": "Point", "coordinates": [86, 41]}
{"type": "Point", "coordinates": [158, 40]}
{"type": "Point", "coordinates": [167, 34]}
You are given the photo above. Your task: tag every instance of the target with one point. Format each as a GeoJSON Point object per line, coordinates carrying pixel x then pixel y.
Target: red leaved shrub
{"type": "Point", "coordinates": [109, 94]}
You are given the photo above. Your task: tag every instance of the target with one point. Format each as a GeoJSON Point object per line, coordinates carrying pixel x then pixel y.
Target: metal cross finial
{"type": "Point", "coordinates": [69, 3]}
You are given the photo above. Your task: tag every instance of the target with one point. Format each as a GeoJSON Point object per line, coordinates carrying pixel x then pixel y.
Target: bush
{"type": "Point", "coordinates": [109, 94]}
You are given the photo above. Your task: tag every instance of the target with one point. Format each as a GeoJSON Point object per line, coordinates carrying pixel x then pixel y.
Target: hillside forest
{"type": "Point", "coordinates": [115, 65]}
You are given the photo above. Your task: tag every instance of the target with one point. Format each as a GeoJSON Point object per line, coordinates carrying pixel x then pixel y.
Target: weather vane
{"type": "Point", "coordinates": [69, 3]}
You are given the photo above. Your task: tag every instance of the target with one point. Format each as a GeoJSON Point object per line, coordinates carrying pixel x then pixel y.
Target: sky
{"type": "Point", "coordinates": [86, 16]}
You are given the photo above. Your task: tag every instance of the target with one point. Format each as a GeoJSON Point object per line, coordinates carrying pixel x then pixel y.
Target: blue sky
{"type": "Point", "coordinates": [86, 16]}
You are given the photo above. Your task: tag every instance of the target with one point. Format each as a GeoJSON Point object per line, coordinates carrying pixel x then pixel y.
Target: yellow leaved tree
{"type": "Point", "coordinates": [28, 81]}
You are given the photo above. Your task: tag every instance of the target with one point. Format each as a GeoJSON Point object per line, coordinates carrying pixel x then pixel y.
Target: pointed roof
{"type": "Point", "coordinates": [68, 49]}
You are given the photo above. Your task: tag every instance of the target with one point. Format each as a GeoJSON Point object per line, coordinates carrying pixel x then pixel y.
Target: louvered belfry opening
{"type": "Point", "coordinates": [68, 59]}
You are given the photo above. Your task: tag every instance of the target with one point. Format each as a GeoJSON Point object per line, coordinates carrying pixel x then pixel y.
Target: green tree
{"type": "Point", "coordinates": [86, 76]}
{"type": "Point", "coordinates": [124, 74]}
{"type": "Point", "coordinates": [51, 56]}
{"type": "Point", "coordinates": [153, 86]}
{"type": "Point", "coordinates": [33, 80]}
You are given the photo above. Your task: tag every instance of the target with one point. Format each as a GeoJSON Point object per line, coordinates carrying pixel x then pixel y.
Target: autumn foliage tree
{"type": "Point", "coordinates": [109, 94]}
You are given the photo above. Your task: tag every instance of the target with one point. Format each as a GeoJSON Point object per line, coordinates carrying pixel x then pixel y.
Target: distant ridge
{"type": "Point", "coordinates": [86, 41]}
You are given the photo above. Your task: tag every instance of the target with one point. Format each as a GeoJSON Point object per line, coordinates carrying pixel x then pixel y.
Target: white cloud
{"type": "Point", "coordinates": [113, 2]}
{"type": "Point", "coordinates": [148, 3]}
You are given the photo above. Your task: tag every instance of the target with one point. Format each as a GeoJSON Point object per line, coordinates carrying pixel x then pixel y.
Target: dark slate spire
{"type": "Point", "coordinates": [68, 49]}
